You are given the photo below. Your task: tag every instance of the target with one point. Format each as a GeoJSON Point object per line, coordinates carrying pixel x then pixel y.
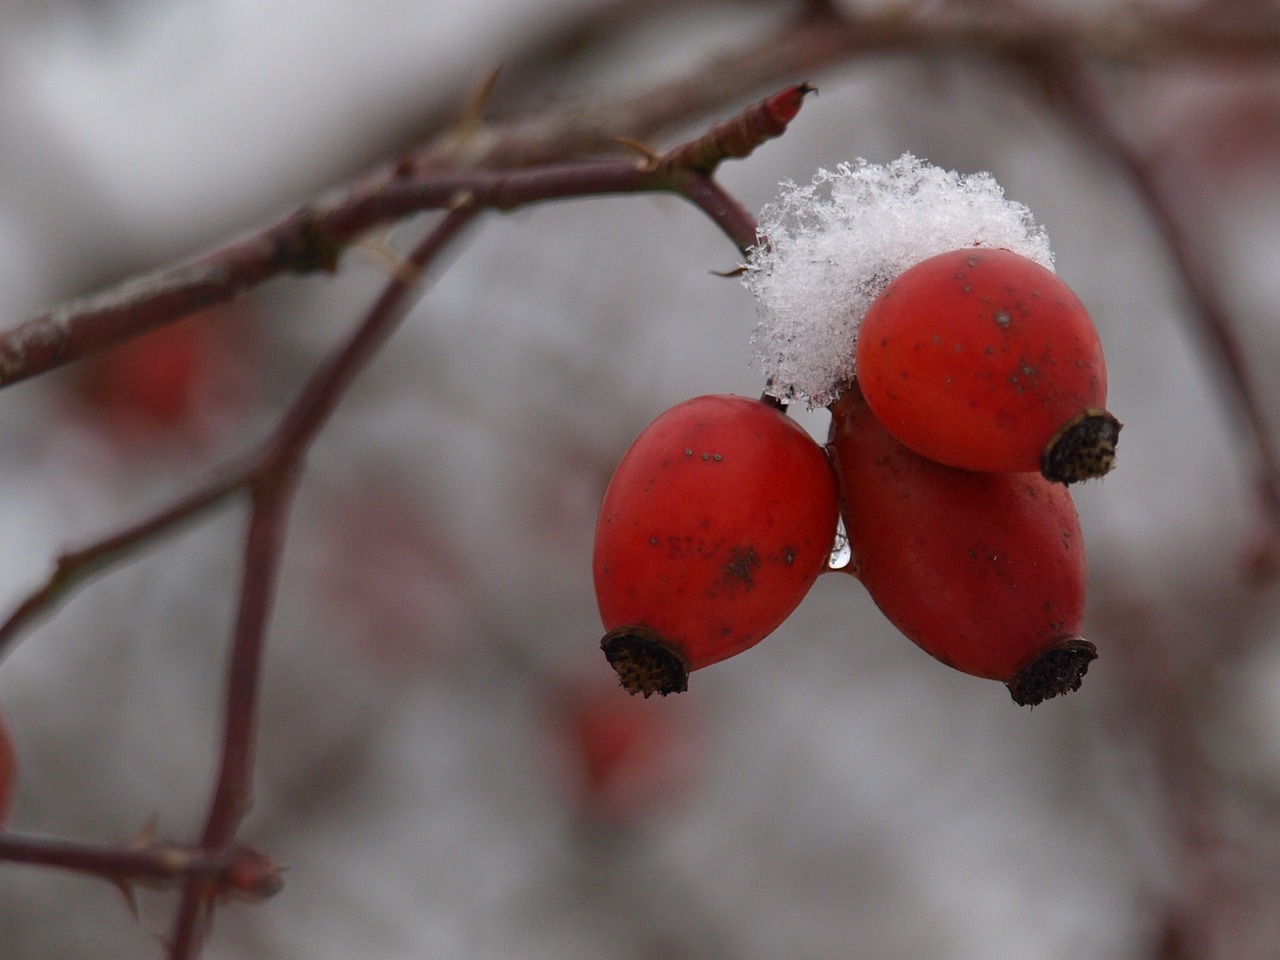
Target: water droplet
{"type": "Point", "coordinates": [841, 552]}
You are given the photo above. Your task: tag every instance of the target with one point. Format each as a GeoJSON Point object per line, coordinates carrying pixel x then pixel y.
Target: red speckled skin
{"type": "Point", "coordinates": [985, 571]}
{"type": "Point", "coordinates": [717, 522]}
{"type": "Point", "coordinates": [976, 358]}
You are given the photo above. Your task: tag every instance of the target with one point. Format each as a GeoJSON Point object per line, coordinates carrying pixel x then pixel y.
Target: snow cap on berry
{"type": "Point", "coordinates": [827, 249]}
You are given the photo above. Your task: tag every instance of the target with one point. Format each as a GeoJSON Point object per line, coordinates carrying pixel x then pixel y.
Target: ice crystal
{"type": "Point", "coordinates": [827, 249]}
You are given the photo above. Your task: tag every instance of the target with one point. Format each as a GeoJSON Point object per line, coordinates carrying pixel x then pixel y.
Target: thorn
{"type": "Point", "coordinates": [147, 835]}
{"type": "Point", "coordinates": [651, 157]}
{"type": "Point", "coordinates": [377, 244]}
{"type": "Point", "coordinates": [476, 105]}
{"type": "Point", "coordinates": [127, 890]}
{"type": "Point", "coordinates": [461, 200]}
{"type": "Point", "coordinates": [462, 137]}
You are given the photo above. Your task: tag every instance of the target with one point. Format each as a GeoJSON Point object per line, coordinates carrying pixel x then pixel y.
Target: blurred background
{"type": "Point", "coordinates": [445, 762]}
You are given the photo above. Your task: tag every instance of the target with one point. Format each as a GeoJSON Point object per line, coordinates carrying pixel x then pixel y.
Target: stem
{"type": "Point", "coordinates": [153, 864]}
{"type": "Point", "coordinates": [273, 481]}
{"type": "Point", "coordinates": [1080, 99]}
{"type": "Point", "coordinates": [314, 237]}
{"type": "Point", "coordinates": [74, 568]}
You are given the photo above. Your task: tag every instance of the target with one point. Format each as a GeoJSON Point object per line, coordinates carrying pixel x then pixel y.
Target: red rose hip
{"type": "Point", "coordinates": [985, 571]}
{"type": "Point", "coordinates": [983, 359]}
{"type": "Point", "coordinates": [715, 525]}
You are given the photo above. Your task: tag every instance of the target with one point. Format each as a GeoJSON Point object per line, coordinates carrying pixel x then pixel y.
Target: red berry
{"type": "Point", "coordinates": [620, 758]}
{"type": "Point", "coordinates": [8, 772]}
{"type": "Point", "coordinates": [985, 571]}
{"type": "Point", "coordinates": [717, 521]}
{"type": "Point", "coordinates": [179, 382]}
{"type": "Point", "coordinates": [983, 359]}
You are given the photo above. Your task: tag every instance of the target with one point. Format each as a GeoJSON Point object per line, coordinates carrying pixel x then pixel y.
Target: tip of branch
{"type": "Point", "coordinates": [739, 136]}
{"type": "Point", "coordinates": [784, 106]}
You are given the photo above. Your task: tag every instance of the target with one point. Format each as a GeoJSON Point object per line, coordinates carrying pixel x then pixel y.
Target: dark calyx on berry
{"type": "Point", "coordinates": [1054, 673]}
{"type": "Point", "coordinates": [645, 662]}
{"type": "Point", "coordinates": [1084, 449]}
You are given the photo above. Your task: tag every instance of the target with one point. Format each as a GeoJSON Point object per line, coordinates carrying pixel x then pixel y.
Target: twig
{"type": "Point", "coordinates": [467, 193]}
{"type": "Point", "coordinates": [314, 237]}
{"type": "Point", "coordinates": [75, 568]}
{"type": "Point", "coordinates": [272, 482]}
{"type": "Point", "coordinates": [1076, 94]}
{"type": "Point", "coordinates": [240, 872]}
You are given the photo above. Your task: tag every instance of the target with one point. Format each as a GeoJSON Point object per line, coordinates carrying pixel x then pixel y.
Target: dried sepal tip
{"type": "Point", "coordinates": [645, 662]}
{"type": "Point", "coordinates": [1084, 449]}
{"type": "Point", "coordinates": [1054, 673]}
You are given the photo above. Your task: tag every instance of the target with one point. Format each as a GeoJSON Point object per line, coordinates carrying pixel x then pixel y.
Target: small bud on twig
{"type": "Point", "coordinates": [739, 136]}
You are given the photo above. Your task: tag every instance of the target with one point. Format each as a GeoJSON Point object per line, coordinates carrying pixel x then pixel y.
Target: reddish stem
{"type": "Point", "coordinates": [1080, 99]}
{"type": "Point", "coordinates": [240, 871]}
{"type": "Point", "coordinates": [76, 567]}
{"type": "Point", "coordinates": [272, 482]}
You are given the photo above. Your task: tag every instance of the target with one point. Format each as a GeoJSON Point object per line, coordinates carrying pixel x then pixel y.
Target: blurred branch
{"type": "Point", "coordinates": [272, 473]}
{"type": "Point", "coordinates": [74, 568]}
{"type": "Point", "coordinates": [686, 170]}
{"type": "Point", "coordinates": [1169, 667]}
{"type": "Point", "coordinates": [240, 872]}
{"type": "Point", "coordinates": [1076, 94]}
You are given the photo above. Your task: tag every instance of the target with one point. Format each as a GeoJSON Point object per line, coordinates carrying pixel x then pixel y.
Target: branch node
{"type": "Point", "coordinates": [309, 247]}
{"type": "Point", "coordinates": [649, 158]}
{"type": "Point", "coordinates": [378, 246]}
{"type": "Point", "coordinates": [462, 200]}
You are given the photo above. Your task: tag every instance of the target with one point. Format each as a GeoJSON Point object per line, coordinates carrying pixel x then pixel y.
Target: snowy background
{"type": "Point", "coordinates": [833, 793]}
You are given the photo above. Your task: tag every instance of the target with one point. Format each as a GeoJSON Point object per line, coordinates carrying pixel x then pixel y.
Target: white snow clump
{"type": "Point", "coordinates": [826, 250]}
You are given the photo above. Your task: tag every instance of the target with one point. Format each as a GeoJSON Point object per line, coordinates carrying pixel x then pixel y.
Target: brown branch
{"type": "Point", "coordinates": [740, 135]}
{"type": "Point", "coordinates": [1077, 95]}
{"type": "Point", "coordinates": [272, 496]}
{"type": "Point", "coordinates": [308, 240]}
{"type": "Point", "coordinates": [466, 193]}
{"type": "Point", "coordinates": [314, 237]}
{"type": "Point", "coordinates": [238, 872]}
{"type": "Point", "coordinates": [74, 568]}
{"type": "Point", "coordinates": [273, 481]}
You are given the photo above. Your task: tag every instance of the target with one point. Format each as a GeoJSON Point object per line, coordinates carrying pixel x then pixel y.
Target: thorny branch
{"type": "Point", "coordinates": [1077, 95]}
{"type": "Point", "coordinates": [500, 166]}
{"type": "Point", "coordinates": [314, 237]}
{"type": "Point", "coordinates": [270, 474]}
{"type": "Point", "coordinates": [241, 873]}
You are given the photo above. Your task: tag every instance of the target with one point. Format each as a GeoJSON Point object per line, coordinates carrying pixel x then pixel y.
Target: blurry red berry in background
{"type": "Point", "coordinates": [171, 381]}
{"type": "Point", "coordinates": [387, 579]}
{"type": "Point", "coordinates": [620, 758]}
